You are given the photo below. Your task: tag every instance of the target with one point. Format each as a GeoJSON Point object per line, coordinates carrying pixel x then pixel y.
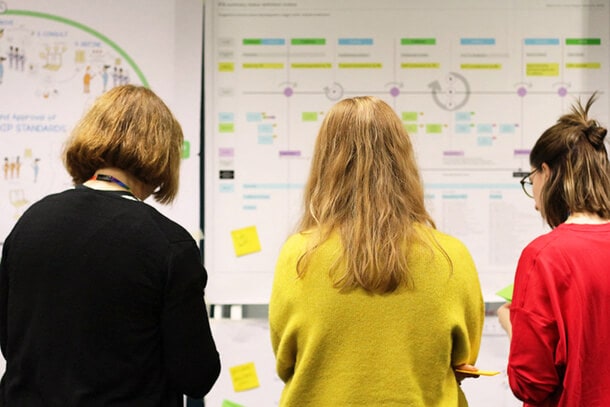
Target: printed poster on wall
{"type": "Point", "coordinates": [57, 56]}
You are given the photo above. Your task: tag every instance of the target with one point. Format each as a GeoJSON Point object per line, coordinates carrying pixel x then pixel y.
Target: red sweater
{"type": "Point", "coordinates": [560, 314]}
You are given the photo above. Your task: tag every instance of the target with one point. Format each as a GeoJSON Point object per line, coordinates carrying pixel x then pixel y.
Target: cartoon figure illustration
{"type": "Point", "coordinates": [115, 76]}
{"type": "Point", "coordinates": [105, 77]}
{"type": "Point", "coordinates": [36, 168]}
{"type": "Point", "coordinates": [87, 80]}
{"type": "Point", "coordinates": [2, 59]}
{"type": "Point", "coordinates": [11, 169]}
{"type": "Point", "coordinates": [19, 59]}
{"type": "Point", "coordinates": [17, 165]}
{"type": "Point", "coordinates": [11, 57]}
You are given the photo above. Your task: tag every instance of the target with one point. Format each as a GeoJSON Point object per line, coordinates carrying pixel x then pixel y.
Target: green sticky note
{"type": "Point", "coordinates": [309, 116]}
{"type": "Point", "coordinates": [186, 149]}
{"type": "Point", "coordinates": [227, 403]}
{"type": "Point", "coordinates": [506, 292]}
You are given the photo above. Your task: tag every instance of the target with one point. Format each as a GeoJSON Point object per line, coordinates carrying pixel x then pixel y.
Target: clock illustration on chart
{"type": "Point", "coordinates": [452, 94]}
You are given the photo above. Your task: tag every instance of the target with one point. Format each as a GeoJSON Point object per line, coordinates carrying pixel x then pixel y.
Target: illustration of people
{"type": "Point", "coordinates": [17, 165]}
{"type": "Point", "coordinates": [115, 76]}
{"type": "Point", "coordinates": [19, 59]}
{"type": "Point", "coordinates": [6, 167]}
{"type": "Point", "coordinates": [105, 77]}
{"type": "Point", "coordinates": [36, 168]}
{"type": "Point", "coordinates": [87, 80]}
{"type": "Point", "coordinates": [11, 57]}
{"type": "Point", "coordinates": [125, 78]}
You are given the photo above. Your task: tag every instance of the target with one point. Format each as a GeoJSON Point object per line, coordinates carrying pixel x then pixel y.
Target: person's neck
{"type": "Point", "coordinates": [586, 218]}
{"type": "Point", "coordinates": [115, 179]}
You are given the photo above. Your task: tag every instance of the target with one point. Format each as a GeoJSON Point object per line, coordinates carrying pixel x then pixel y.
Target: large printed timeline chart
{"type": "Point", "coordinates": [473, 105]}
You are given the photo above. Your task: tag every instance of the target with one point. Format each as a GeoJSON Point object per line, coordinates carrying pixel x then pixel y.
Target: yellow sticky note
{"type": "Point", "coordinates": [244, 377]}
{"type": "Point", "coordinates": [245, 241]}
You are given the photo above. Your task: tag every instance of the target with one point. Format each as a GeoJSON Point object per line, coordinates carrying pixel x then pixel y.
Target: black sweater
{"type": "Point", "coordinates": [102, 304]}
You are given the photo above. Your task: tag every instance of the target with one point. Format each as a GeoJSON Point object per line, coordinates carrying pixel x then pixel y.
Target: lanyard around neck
{"type": "Point", "coordinates": [110, 178]}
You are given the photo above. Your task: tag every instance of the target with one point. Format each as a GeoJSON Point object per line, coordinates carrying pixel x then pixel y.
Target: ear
{"type": "Point", "coordinates": [546, 171]}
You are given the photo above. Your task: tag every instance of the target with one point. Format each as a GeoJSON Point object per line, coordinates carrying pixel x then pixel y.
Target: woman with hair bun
{"type": "Point", "coordinates": [559, 318]}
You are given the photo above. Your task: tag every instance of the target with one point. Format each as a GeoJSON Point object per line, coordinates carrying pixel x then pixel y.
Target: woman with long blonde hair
{"type": "Point", "coordinates": [371, 305]}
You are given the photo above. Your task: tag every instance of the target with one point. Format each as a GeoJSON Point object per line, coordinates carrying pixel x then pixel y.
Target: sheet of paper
{"type": "Point", "coordinates": [479, 372]}
{"type": "Point", "coordinates": [506, 292]}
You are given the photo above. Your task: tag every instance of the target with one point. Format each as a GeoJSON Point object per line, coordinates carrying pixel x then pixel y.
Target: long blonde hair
{"type": "Point", "coordinates": [365, 185]}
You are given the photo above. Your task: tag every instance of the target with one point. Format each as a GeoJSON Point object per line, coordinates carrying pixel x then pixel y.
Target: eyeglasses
{"type": "Point", "coordinates": [526, 184]}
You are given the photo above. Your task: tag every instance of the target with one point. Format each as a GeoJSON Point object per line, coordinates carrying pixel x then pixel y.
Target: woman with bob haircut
{"type": "Point", "coordinates": [558, 319]}
{"type": "Point", "coordinates": [131, 130]}
{"type": "Point", "coordinates": [101, 296]}
{"type": "Point", "coordinates": [370, 304]}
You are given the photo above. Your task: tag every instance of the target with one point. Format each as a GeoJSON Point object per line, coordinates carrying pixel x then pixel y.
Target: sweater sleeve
{"type": "Point", "coordinates": [190, 353]}
{"type": "Point", "coordinates": [471, 314]}
{"type": "Point", "coordinates": [282, 327]}
{"type": "Point", "coordinates": [534, 360]}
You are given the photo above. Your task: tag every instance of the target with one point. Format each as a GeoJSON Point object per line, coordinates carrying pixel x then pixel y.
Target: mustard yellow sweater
{"type": "Point", "coordinates": [357, 349]}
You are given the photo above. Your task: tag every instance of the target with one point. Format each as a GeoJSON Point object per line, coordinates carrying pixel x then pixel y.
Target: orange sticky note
{"type": "Point", "coordinates": [245, 241]}
{"type": "Point", "coordinates": [244, 376]}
